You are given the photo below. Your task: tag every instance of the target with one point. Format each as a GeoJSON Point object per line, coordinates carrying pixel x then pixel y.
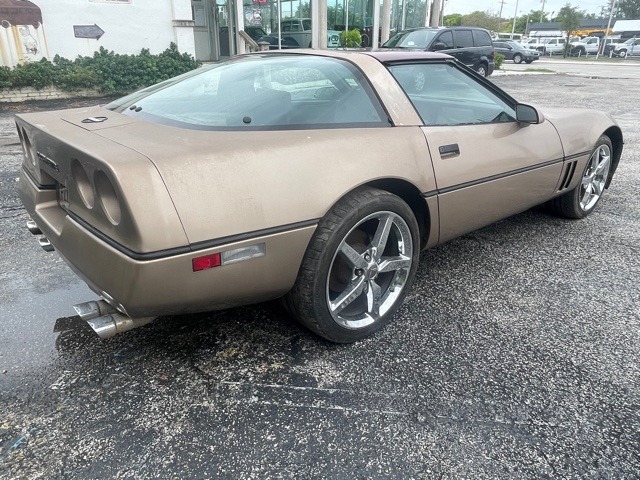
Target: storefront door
{"type": "Point", "coordinates": [214, 29]}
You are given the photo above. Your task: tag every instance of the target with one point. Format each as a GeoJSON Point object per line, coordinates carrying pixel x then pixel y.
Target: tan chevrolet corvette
{"type": "Point", "coordinates": [313, 176]}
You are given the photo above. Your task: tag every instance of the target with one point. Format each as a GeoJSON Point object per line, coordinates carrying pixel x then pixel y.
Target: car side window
{"type": "Point", "coordinates": [446, 38]}
{"type": "Point", "coordinates": [444, 95]}
{"type": "Point", "coordinates": [481, 38]}
{"type": "Point", "coordinates": [463, 39]}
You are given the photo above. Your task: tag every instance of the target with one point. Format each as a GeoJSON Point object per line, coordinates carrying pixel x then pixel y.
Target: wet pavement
{"type": "Point", "coordinates": [516, 355]}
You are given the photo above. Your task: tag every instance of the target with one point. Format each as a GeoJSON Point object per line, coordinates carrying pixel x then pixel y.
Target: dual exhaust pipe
{"type": "Point", "coordinates": [105, 320]}
{"type": "Point", "coordinates": [102, 317]}
{"type": "Point", "coordinates": [43, 241]}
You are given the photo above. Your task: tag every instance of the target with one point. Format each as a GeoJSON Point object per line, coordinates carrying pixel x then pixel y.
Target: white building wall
{"type": "Point", "coordinates": [129, 25]}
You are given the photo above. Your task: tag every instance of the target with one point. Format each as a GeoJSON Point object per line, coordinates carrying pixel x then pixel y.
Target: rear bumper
{"type": "Point", "coordinates": [167, 285]}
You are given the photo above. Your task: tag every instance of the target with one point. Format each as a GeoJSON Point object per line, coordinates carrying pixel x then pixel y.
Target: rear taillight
{"type": "Point", "coordinates": [229, 256]}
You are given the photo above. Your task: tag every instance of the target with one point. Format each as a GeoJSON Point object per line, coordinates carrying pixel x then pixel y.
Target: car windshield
{"type": "Point", "coordinates": [261, 92]}
{"type": "Point", "coordinates": [411, 39]}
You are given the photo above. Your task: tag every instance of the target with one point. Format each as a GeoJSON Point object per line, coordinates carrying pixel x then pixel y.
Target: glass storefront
{"type": "Point", "coordinates": [214, 22]}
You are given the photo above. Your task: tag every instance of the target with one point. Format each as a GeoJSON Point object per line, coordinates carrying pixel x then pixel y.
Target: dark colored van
{"type": "Point", "coordinates": [470, 45]}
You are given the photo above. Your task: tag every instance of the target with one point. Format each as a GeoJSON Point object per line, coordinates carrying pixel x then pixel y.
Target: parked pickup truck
{"type": "Point", "coordinates": [586, 46]}
{"type": "Point", "coordinates": [554, 46]}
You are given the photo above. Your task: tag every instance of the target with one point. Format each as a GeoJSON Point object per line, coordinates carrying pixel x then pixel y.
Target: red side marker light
{"type": "Point", "coordinates": [208, 261]}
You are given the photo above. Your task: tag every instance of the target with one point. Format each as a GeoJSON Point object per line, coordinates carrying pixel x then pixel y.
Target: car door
{"type": "Point", "coordinates": [504, 49]}
{"type": "Point", "coordinates": [487, 166]}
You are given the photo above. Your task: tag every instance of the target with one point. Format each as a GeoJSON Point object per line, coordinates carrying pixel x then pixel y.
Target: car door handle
{"type": "Point", "coordinates": [449, 150]}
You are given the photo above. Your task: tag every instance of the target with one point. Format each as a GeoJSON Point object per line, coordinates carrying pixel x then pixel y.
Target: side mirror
{"type": "Point", "coordinates": [438, 46]}
{"type": "Point", "coordinates": [528, 114]}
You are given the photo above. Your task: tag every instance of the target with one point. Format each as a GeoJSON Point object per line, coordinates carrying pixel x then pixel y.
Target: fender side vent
{"type": "Point", "coordinates": [569, 170]}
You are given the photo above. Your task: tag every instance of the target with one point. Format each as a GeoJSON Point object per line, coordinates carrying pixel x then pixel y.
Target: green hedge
{"type": "Point", "coordinates": [106, 71]}
{"type": "Point", "coordinates": [498, 59]}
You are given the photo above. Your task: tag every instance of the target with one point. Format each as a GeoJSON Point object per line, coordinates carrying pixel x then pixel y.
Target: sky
{"type": "Point", "coordinates": [524, 6]}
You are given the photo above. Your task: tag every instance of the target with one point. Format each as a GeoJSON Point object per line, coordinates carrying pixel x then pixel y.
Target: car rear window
{"type": "Point", "coordinates": [262, 92]}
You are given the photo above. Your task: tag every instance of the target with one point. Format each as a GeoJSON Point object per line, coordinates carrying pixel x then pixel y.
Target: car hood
{"type": "Point", "coordinates": [578, 127]}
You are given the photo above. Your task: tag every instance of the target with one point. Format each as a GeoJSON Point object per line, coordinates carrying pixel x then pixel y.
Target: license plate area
{"type": "Point", "coordinates": [62, 194]}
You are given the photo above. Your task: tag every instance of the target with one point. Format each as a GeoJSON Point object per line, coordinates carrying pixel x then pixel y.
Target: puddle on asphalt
{"type": "Point", "coordinates": [27, 337]}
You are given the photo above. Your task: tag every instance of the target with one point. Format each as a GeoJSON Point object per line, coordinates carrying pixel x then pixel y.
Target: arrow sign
{"type": "Point", "coordinates": [88, 31]}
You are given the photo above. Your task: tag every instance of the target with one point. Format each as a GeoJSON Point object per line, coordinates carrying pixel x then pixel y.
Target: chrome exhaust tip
{"type": "Point", "coordinates": [46, 244]}
{"type": "Point", "coordinates": [107, 326]}
{"type": "Point", "coordinates": [33, 228]}
{"type": "Point", "coordinates": [93, 309]}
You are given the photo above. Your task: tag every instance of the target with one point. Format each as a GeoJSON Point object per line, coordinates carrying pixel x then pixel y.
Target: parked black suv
{"type": "Point", "coordinates": [471, 46]}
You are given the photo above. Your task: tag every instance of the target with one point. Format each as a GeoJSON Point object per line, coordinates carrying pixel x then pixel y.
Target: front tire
{"type": "Point", "coordinates": [358, 268]}
{"type": "Point", "coordinates": [580, 202]}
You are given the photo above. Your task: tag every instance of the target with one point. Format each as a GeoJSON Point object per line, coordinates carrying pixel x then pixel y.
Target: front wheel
{"type": "Point", "coordinates": [517, 58]}
{"type": "Point", "coordinates": [358, 267]}
{"type": "Point", "coordinates": [580, 202]}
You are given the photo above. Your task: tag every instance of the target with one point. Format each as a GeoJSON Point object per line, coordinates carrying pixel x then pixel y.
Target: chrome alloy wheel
{"type": "Point", "coordinates": [595, 177]}
{"type": "Point", "coordinates": [369, 270]}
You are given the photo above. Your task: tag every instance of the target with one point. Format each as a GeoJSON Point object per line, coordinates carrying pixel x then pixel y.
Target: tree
{"type": "Point", "coordinates": [629, 9]}
{"type": "Point", "coordinates": [453, 20]}
{"type": "Point", "coordinates": [569, 18]}
{"type": "Point", "coordinates": [481, 19]}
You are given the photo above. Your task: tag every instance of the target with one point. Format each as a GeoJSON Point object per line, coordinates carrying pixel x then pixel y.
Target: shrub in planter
{"type": "Point", "coordinates": [105, 71]}
{"type": "Point", "coordinates": [350, 38]}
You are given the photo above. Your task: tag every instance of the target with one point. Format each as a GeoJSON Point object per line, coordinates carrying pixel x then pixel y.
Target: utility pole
{"type": "Point", "coordinates": [542, 11]}
{"type": "Point", "coordinates": [502, 2]}
{"type": "Point", "coordinates": [604, 43]}
{"type": "Point", "coordinates": [515, 15]}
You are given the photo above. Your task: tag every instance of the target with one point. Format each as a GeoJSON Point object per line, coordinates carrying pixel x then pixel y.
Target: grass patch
{"type": "Point", "coordinates": [541, 70]}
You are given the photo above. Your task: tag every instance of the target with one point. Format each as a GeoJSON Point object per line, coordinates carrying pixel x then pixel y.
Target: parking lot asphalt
{"type": "Point", "coordinates": [516, 355]}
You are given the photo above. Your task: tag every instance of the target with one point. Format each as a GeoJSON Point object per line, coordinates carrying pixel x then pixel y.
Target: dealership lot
{"type": "Point", "coordinates": [516, 355]}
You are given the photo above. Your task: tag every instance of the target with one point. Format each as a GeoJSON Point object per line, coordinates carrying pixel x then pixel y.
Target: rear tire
{"type": "Point", "coordinates": [483, 70]}
{"type": "Point", "coordinates": [358, 268]}
{"type": "Point", "coordinates": [517, 58]}
{"type": "Point", "coordinates": [580, 202]}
